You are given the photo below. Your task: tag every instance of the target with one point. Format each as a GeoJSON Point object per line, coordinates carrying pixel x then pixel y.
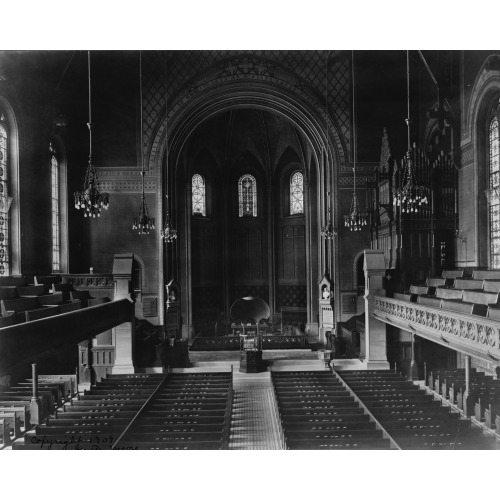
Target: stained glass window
{"type": "Point", "coordinates": [4, 202]}
{"type": "Point", "coordinates": [247, 196]}
{"type": "Point", "coordinates": [296, 193]}
{"type": "Point", "coordinates": [198, 195]}
{"type": "Point", "coordinates": [56, 239]}
{"type": "Point", "coordinates": [494, 143]}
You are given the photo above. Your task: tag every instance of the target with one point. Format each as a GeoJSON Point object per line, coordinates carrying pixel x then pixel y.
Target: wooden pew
{"type": "Point", "coordinates": [449, 293]}
{"type": "Point", "coordinates": [486, 274]}
{"type": "Point", "coordinates": [69, 307]}
{"type": "Point", "coordinates": [13, 281]}
{"type": "Point", "coordinates": [468, 284]}
{"type": "Point", "coordinates": [8, 292]}
{"type": "Point", "coordinates": [453, 273]}
{"type": "Point", "coordinates": [7, 320]}
{"type": "Point", "coordinates": [30, 290]}
{"type": "Point", "coordinates": [48, 281]}
{"type": "Point", "coordinates": [82, 296]}
{"type": "Point", "coordinates": [480, 297]}
{"type": "Point", "coordinates": [490, 415]}
{"type": "Point", "coordinates": [491, 286]}
{"type": "Point", "coordinates": [14, 422]}
{"type": "Point", "coordinates": [457, 306]}
{"type": "Point", "coordinates": [20, 306]}
{"type": "Point", "coordinates": [64, 288]}
{"type": "Point", "coordinates": [435, 282]}
{"type": "Point", "coordinates": [46, 312]}
{"type": "Point", "coordinates": [429, 301]}
{"type": "Point", "coordinates": [21, 411]}
{"type": "Point", "coordinates": [53, 299]}
{"type": "Point", "coordinates": [5, 432]}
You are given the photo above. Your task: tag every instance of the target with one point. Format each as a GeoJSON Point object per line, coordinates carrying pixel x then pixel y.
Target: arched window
{"type": "Point", "coordinates": [199, 195]}
{"type": "Point", "coordinates": [494, 174]}
{"type": "Point", "coordinates": [247, 196]}
{"type": "Point", "coordinates": [4, 200]}
{"type": "Point", "coordinates": [56, 222]}
{"type": "Point", "coordinates": [296, 193]}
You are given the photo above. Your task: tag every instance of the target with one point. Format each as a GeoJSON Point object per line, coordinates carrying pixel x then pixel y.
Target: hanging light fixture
{"type": "Point", "coordinates": [355, 220]}
{"type": "Point", "coordinates": [168, 233]}
{"type": "Point", "coordinates": [143, 223]}
{"type": "Point", "coordinates": [329, 230]}
{"type": "Point", "coordinates": [410, 196]}
{"type": "Point", "coordinates": [90, 199]}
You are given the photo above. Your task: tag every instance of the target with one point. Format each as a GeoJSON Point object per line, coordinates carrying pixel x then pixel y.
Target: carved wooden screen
{"type": "Point", "coordinates": [494, 185]}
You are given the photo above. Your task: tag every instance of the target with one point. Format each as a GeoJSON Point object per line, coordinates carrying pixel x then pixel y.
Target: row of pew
{"type": "Point", "coordinates": [477, 294]}
{"type": "Point", "coordinates": [16, 403]}
{"type": "Point", "coordinates": [483, 400]}
{"type": "Point", "coordinates": [411, 416]}
{"type": "Point", "coordinates": [141, 411]}
{"type": "Point", "coordinates": [317, 413]}
{"type": "Point", "coordinates": [21, 302]}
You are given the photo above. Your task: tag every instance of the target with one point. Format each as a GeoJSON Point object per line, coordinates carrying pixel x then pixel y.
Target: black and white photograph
{"type": "Point", "coordinates": [210, 245]}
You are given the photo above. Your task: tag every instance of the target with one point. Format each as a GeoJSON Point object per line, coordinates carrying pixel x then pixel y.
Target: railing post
{"type": "Point", "coordinates": [467, 386]}
{"type": "Point", "coordinates": [413, 363]}
{"type": "Point", "coordinates": [35, 404]}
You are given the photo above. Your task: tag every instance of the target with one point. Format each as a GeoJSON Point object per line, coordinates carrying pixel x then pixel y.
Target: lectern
{"type": "Point", "coordinates": [247, 314]}
{"type": "Point", "coordinates": [250, 353]}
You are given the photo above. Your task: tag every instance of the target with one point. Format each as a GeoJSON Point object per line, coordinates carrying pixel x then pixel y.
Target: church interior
{"type": "Point", "coordinates": [249, 250]}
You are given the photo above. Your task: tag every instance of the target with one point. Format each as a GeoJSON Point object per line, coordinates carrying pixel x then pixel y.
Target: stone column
{"type": "Point", "coordinates": [467, 411]}
{"type": "Point", "coordinates": [123, 335]}
{"type": "Point", "coordinates": [375, 336]}
{"type": "Point", "coordinates": [413, 363]}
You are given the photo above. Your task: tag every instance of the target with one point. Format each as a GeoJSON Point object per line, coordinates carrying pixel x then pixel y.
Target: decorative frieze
{"type": "Point", "coordinates": [113, 186]}
{"type": "Point", "coordinates": [89, 280]}
{"type": "Point", "coordinates": [479, 334]}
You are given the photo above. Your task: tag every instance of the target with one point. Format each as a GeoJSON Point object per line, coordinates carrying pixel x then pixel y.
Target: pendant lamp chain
{"type": "Point", "coordinates": [143, 223]}
{"type": "Point", "coordinates": [90, 199]}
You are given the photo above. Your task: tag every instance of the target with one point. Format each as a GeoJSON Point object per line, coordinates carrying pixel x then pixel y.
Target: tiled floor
{"type": "Point", "coordinates": [254, 425]}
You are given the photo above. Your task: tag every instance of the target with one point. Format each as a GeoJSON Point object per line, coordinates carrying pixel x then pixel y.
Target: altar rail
{"type": "Point", "coordinates": [466, 333]}
{"type": "Point", "coordinates": [233, 343]}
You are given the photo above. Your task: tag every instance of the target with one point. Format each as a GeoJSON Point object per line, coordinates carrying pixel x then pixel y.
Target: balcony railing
{"type": "Point", "coordinates": [467, 333]}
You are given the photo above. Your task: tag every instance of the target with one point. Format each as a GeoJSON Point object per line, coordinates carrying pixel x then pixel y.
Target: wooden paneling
{"type": "Point", "coordinates": [292, 256]}
{"type": "Point", "coordinates": [248, 259]}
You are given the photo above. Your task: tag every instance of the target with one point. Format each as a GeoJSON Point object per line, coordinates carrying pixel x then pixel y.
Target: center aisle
{"type": "Point", "coordinates": [254, 424]}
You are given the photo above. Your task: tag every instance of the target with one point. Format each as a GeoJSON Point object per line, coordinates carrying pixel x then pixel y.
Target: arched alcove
{"type": "Point", "coordinates": [305, 118]}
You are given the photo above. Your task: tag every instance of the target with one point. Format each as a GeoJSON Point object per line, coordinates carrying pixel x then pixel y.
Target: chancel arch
{"type": "Point", "coordinates": [305, 131]}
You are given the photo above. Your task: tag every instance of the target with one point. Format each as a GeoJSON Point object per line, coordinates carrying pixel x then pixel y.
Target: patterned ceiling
{"type": "Point", "coordinates": [184, 69]}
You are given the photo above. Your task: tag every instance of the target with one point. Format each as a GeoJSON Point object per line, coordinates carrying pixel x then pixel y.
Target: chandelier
{"type": "Point", "coordinates": [329, 230]}
{"type": "Point", "coordinates": [355, 220]}
{"type": "Point", "coordinates": [90, 199]}
{"type": "Point", "coordinates": [168, 233]}
{"type": "Point", "coordinates": [410, 196]}
{"type": "Point", "coordinates": [143, 223]}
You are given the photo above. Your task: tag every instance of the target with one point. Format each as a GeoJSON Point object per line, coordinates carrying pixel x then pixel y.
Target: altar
{"type": "Point", "coordinates": [249, 317]}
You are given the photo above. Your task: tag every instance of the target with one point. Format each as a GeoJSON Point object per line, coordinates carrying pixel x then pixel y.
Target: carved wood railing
{"type": "Point", "coordinates": [20, 343]}
{"type": "Point", "coordinates": [467, 333]}
{"type": "Point", "coordinates": [98, 285]}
